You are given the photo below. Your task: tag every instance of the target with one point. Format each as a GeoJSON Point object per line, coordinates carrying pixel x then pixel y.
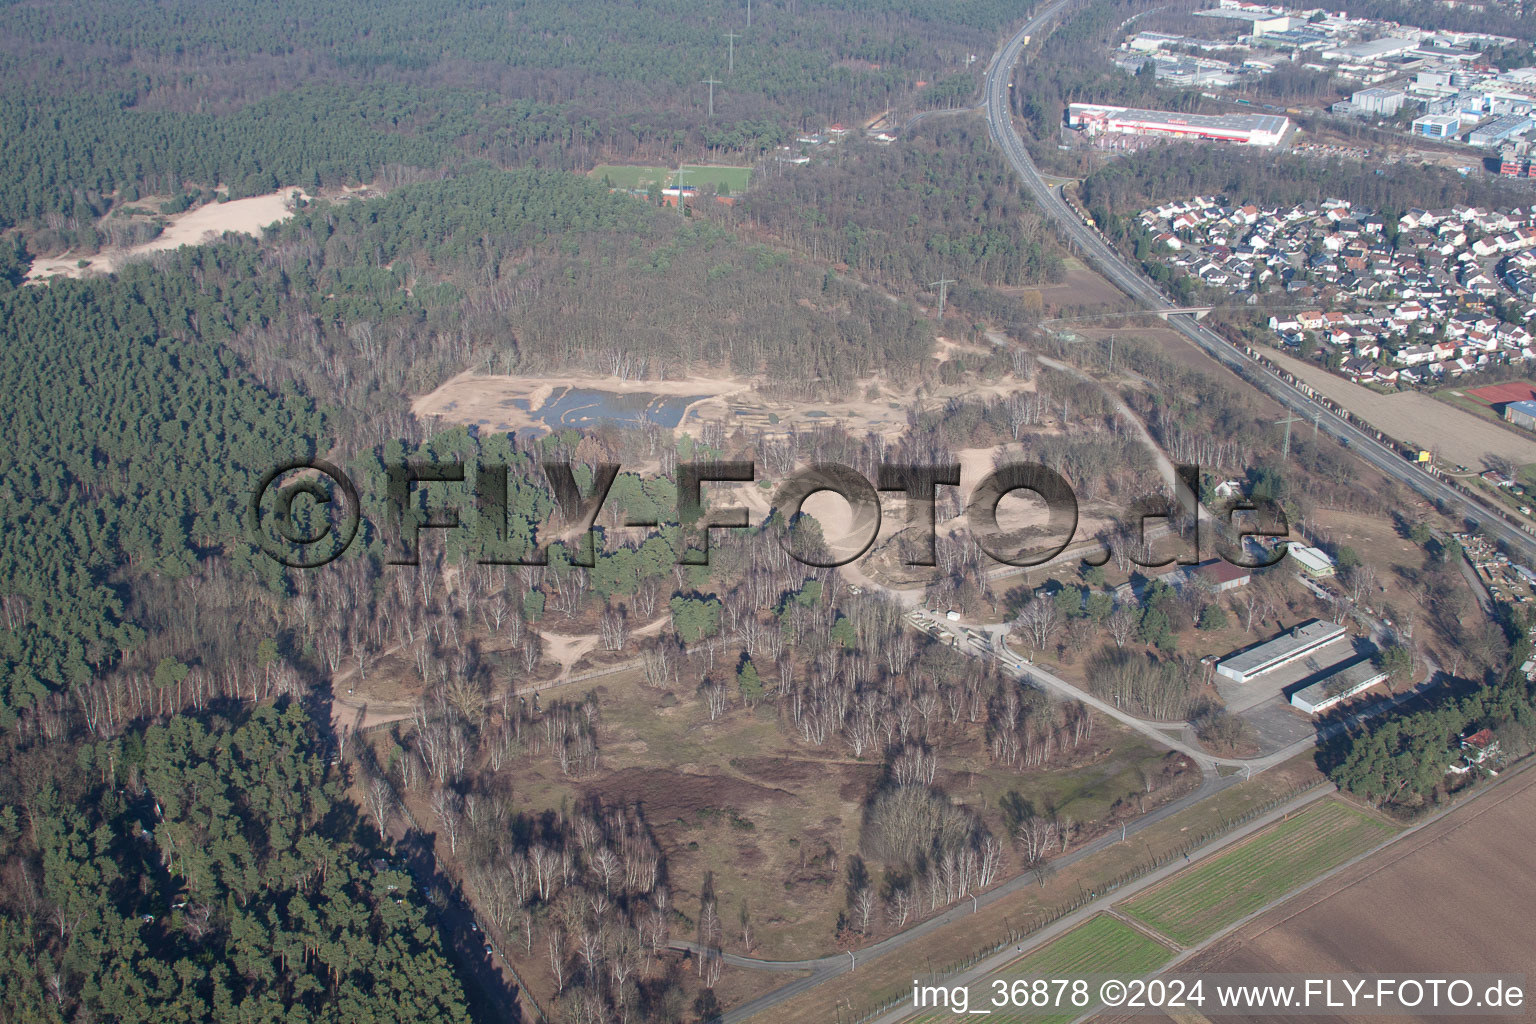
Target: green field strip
{"type": "Point", "coordinates": [632, 176]}
{"type": "Point", "coordinates": [1102, 945]}
{"type": "Point", "coordinates": [1202, 899]}
{"type": "Point", "coordinates": [734, 178]}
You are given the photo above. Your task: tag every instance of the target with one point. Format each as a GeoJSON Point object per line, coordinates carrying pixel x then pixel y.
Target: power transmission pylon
{"type": "Point", "coordinates": [730, 52]}
{"type": "Point", "coordinates": [1285, 452]}
{"type": "Point", "coordinates": [711, 83]}
{"type": "Point", "coordinates": [1076, 341]}
{"type": "Point", "coordinates": [942, 284]}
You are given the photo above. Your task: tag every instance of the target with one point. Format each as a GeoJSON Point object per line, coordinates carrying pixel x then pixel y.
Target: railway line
{"type": "Point", "coordinates": [1129, 279]}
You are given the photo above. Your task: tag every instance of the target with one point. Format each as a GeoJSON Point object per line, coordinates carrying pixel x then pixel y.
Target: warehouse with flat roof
{"type": "Point", "coordinates": [1245, 129]}
{"type": "Point", "coordinates": [1282, 650]}
{"type": "Point", "coordinates": [1338, 685]}
{"type": "Point", "coordinates": [1500, 130]}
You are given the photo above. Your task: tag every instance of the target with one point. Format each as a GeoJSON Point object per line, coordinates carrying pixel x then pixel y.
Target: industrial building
{"type": "Point", "coordinates": [1263, 21]}
{"type": "Point", "coordinates": [1247, 129]}
{"type": "Point", "coordinates": [1500, 130]}
{"type": "Point", "coordinates": [1521, 414]}
{"type": "Point", "coordinates": [1339, 685]}
{"type": "Point", "coordinates": [1384, 102]}
{"type": "Point", "coordinates": [1223, 575]}
{"type": "Point", "coordinates": [1438, 126]}
{"type": "Point", "coordinates": [1514, 162]}
{"type": "Point", "coordinates": [1282, 650]}
{"type": "Point", "coordinates": [1374, 49]}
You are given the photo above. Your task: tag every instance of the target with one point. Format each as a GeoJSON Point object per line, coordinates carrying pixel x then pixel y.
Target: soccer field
{"type": "Point", "coordinates": [734, 178]}
{"type": "Point", "coordinates": [1203, 899]}
{"type": "Point", "coordinates": [631, 175]}
{"type": "Point", "coordinates": [1102, 945]}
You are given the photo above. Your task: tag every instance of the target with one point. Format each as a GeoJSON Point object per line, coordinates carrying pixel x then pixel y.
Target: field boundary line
{"type": "Point", "coordinates": [1114, 911]}
{"type": "Point", "coordinates": [892, 1006]}
{"type": "Point", "coordinates": [1247, 840]}
{"type": "Point", "coordinates": [1408, 847]}
{"type": "Point", "coordinates": [1519, 772]}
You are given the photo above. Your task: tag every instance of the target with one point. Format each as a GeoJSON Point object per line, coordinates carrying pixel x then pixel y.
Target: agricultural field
{"type": "Point", "coordinates": [1461, 871]}
{"type": "Point", "coordinates": [889, 977]}
{"type": "Point", "coordinates": [1201, 900]}
{"type": "Point", "coordinates": [1458, 875]}
{"type": "Point", "coordinates": [631, 175]}
{"type": "Point", "coordinates": [735, 179]}
{"type": "Point", "coordinates": [1103, 945]}
{"type": "Point", "coordinates": [1462, 436]}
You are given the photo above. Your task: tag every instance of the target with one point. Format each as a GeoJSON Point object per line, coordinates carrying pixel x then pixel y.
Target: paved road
{"type": "Point", "coordinates": [1129, 279]}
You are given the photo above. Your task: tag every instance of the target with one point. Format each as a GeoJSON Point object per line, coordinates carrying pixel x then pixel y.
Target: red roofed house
{"type": "Point", "coordinates": [1479, 746]}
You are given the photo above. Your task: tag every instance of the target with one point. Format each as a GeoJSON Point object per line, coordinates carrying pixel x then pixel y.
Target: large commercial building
{"type": "Point", "coordinates": [1339, 685]}
{"type": "Point", "coordinates": [1263, 20]}
{"type": "Point", "coordinates": [1374, 49]}
{"type": "Point", "coordinates": [1282, 650]}
{"type": "Point", "coordinates": [1247, 129]}
{"type": "Point", "coordinates": [1500, 130]}
{"type": "Point", "coordinates": [1437, 126]}
{"type": "Point", "coordinates": [1385, 102]}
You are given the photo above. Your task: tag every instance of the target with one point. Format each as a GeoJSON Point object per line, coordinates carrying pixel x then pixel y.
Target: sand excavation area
{"type": "Point", "coordinates": [540, 404]}
{"type": "Point", "coordinates": [197, 226]}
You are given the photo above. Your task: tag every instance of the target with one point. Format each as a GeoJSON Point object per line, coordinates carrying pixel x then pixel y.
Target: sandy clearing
{"type": "Point", "coordinates": [1415, 418]}
{"type": "Point", "coordinates": [243, 216]}
{"type": "Point", "coordinates": [496, 402]}
{"type": "Point", "coordinates": [195, 227]}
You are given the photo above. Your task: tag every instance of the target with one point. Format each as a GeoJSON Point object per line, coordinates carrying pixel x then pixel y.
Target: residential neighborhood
{"type": "Point", "coordinates": [1426, 295]}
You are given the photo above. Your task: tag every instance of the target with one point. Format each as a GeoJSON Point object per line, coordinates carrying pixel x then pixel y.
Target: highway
{"type": "Point", "coordinates": [1129, 279]}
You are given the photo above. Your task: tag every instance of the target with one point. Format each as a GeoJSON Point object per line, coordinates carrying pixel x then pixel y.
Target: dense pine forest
{"type": "Point", "coordinates": [104, 101]}
{"type": "Point", "coordinates": [195, 872]}
{"type": "Point", "coordinates": [943, 204]}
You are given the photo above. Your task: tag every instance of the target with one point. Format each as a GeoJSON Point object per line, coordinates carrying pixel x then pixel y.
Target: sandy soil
{"type": "Point", "coordinates": [488, 401]}
{"type": "Point", "coordinates": [1417, 419]}
{"type": "Point", "coordinates": [567, 650]}
{"type": "Point", "coordinates": [195, 227]}
{"type": "Point", "coordinates": [1453, 897]}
